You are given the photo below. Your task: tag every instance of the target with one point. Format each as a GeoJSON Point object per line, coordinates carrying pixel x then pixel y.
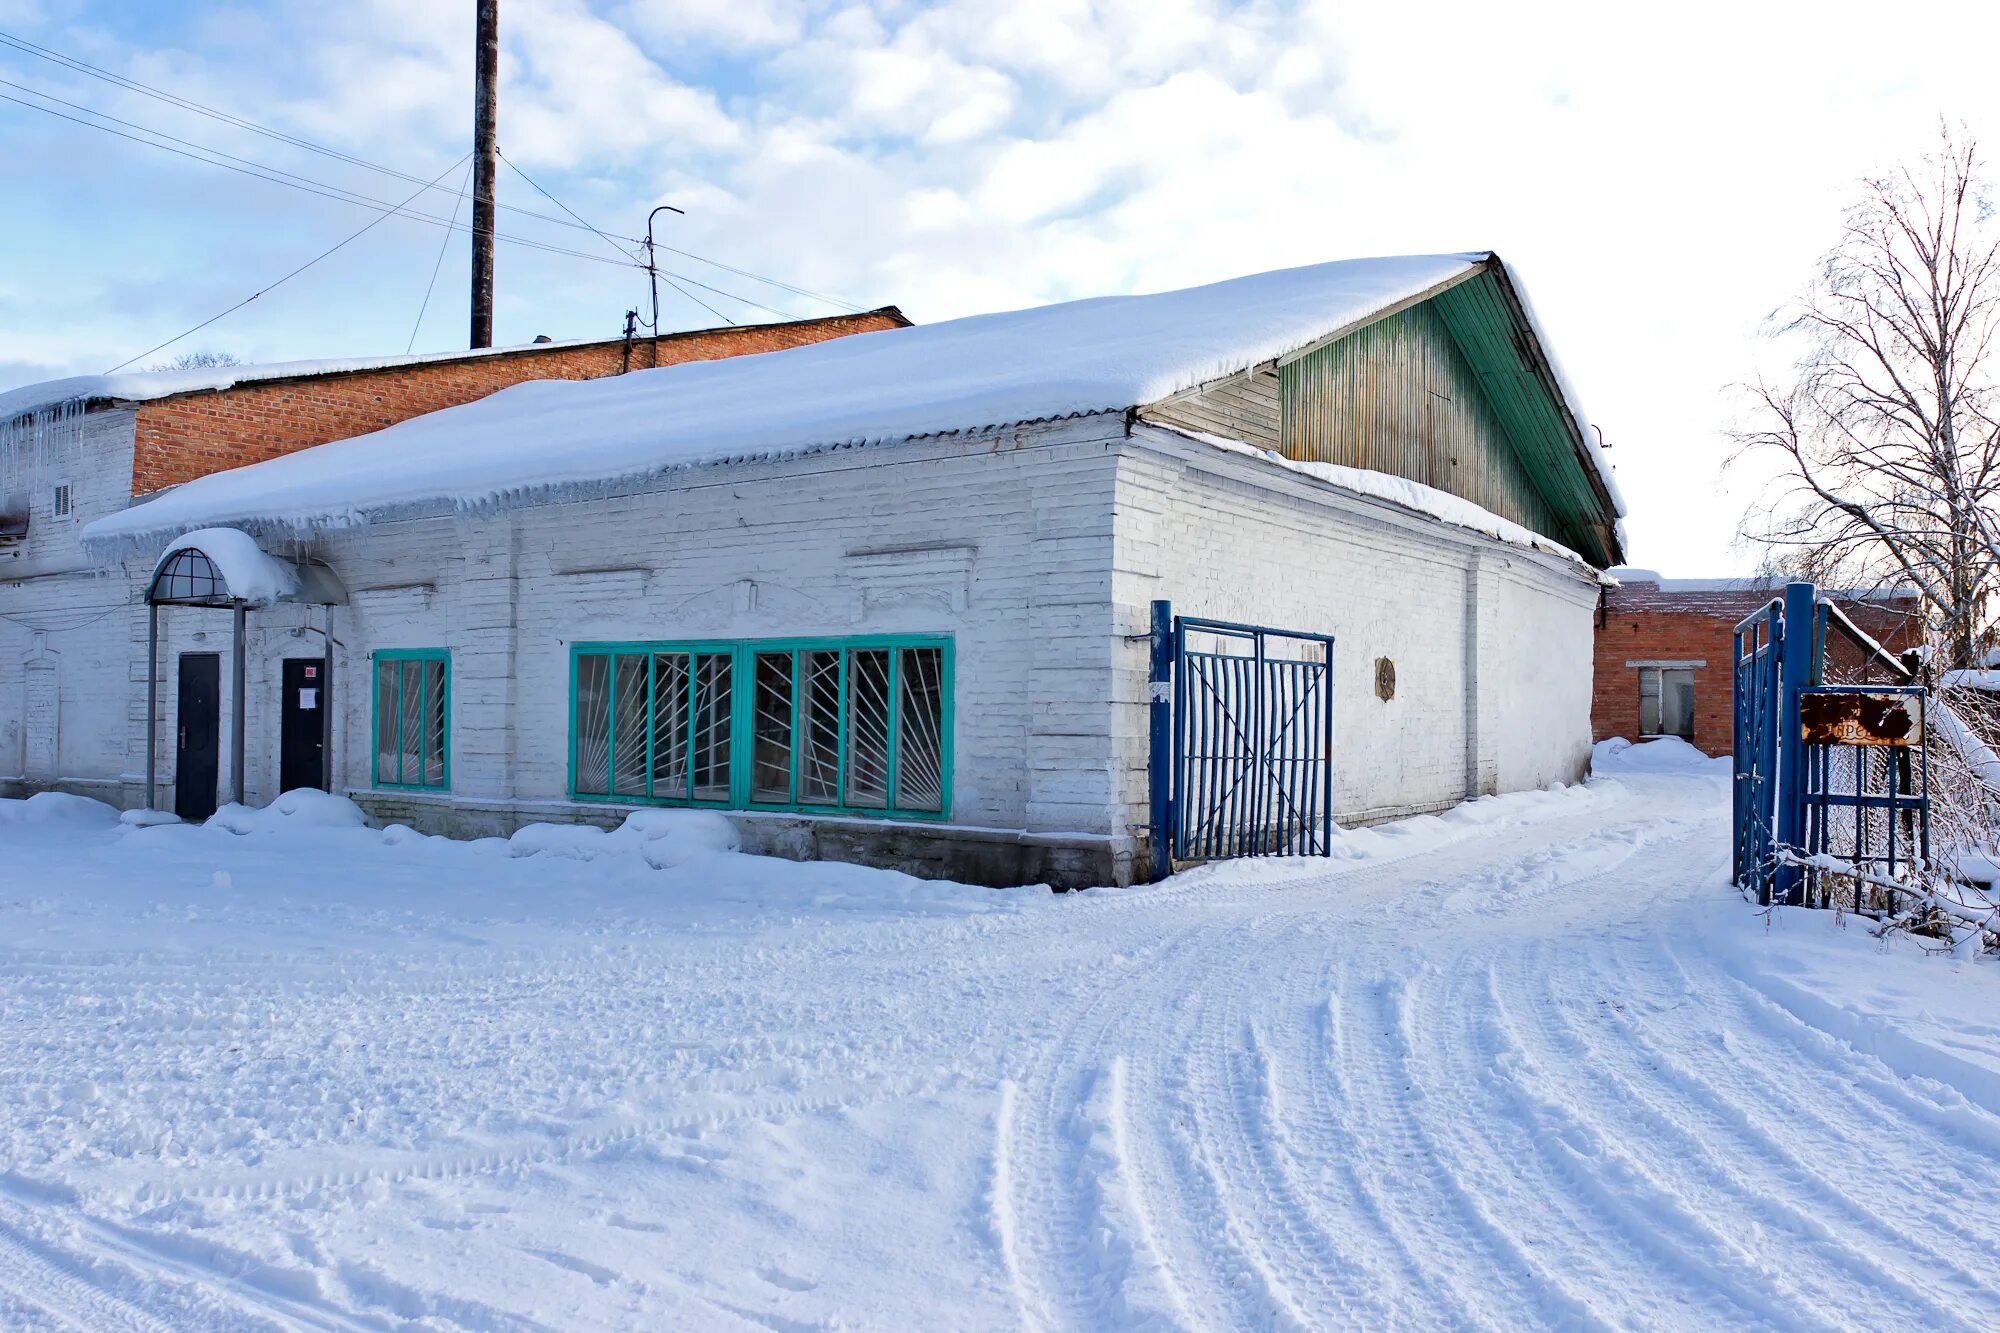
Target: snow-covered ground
{"type": "Point", "coordinates": [1529, 1064]}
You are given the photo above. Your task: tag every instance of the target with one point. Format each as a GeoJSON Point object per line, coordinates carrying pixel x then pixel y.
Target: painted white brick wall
{"type": "Point", "coordinates": [1038, 549]}
{"type": "Point", "coordinates": [1002, 541]}
{"type": "Point", "coordinates": [1491, 643]}
{"type": "Point", "coordinates": [66, 672]}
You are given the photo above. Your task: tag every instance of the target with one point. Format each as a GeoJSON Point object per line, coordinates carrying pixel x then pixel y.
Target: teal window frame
{"type": "Point", "coordinates": [400, 655]}
{"type": "Point", "coordinates": [743, 654]}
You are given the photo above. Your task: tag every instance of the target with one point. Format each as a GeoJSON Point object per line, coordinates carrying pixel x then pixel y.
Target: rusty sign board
{"type": "Point", "coordinates": [1892, 720]}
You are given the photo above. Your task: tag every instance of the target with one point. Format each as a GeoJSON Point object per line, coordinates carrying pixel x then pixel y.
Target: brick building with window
{"type": "Point", "coordinates": [1664, 648]}
{"type": "Point", "coordinates": [79, 449]}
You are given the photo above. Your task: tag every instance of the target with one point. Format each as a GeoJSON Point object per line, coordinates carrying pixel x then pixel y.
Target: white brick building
{"type": "Point", "coordinates": [719, 584]}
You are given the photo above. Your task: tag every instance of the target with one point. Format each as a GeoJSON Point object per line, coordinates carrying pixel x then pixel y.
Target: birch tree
{"type": "Point", "coordinates": [1887, 428]}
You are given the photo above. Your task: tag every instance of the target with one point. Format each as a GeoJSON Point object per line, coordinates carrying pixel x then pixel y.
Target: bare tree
{"type": "Point", "coordinates": [198, 361]}
{"type": "Point", "coordinates": [1887, 429]}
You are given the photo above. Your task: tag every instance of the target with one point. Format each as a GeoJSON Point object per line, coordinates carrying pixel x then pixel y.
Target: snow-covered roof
{"type": "Point", "coordinates": [145, 386]}
{"type": "Point", "coordinates": [1632, 576]}
{"type": "Point", "coordinates": [549, 440]}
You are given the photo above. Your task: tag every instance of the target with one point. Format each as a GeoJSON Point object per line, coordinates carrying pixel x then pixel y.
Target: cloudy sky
{"type": "Point", "coordinates": [1663, 177]}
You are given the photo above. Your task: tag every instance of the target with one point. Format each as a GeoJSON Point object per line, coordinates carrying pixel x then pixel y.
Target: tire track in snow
{"type": "Point", "coordinates": [1909, 1167]}
{"type": "Point", "coordinates": [1322, 1147]}
{"type": "Point", "coordinates": [1511, 1286]}
{"type": "Point", "coordinates": [1225, 1249]}
{"type": "Point", "coordinates": [1707, 1135]}
{"type": "Point", "coordinates": [1092, 1253]}
{"type": "Point", "coordinates": [74, 1281]}
{"type": "Point", "coordinates": [1073, 1260]}
{"type": "Point", "coordinates": [1684, 1256]}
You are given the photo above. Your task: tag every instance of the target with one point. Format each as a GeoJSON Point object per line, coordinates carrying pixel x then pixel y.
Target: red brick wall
{"type": "Point", "coordinates": [180, 438]}
{"type": "Point", "coordinates": [1681, 636]}
{"type": "Point", "coordinates": [1662, 636]}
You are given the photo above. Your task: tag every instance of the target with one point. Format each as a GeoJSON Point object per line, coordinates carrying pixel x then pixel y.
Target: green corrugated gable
{"type": "Point", "coordinates": [1397, 395]}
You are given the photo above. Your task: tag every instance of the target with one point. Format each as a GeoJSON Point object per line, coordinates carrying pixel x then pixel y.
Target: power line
{"type": "Point", "coordinates": [85, 67]}
{"type": "Point", "coordinates": [334, 192]}
{"type": "Point", "coordinates": [668, 279]}
{"type": "Point", "coordinates": [162, 134]}
{"type": "Point", "coordinates": [443, 245]}
{"type": "Point", "coordinates": [262, 171]}
{"type": "Point", "coordinates": [758, 277]}
{"type": "Point", "coordinates": [685, 254]}
{"type": "Point", "coordinates": [581, 221]}
{"type": "Point", "coordinates": [607, 239]}
{"type": "Point", "coordinates": [187, 104]}
{"type": "Point", "coordinates": [372, 223]}
{"type": "Point", "coordinates": [26, 47]}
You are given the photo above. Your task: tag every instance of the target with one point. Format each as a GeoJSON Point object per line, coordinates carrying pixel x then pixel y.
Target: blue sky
{"type": "Point", "coordinates": [1663, 179]}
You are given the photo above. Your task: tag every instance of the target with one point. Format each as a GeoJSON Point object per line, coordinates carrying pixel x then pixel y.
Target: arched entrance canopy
{"type": "Point", "coordinates": [224, 568]}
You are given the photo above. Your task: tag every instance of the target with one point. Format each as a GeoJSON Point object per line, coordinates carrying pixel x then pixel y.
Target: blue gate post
{"type": "Point", "coordinates": [1799, 665]}
{"type": "Point", "coordinates": [1160, 724]}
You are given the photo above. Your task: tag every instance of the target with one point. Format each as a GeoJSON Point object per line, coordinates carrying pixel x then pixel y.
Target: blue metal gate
{"type": "Point", "coordinates": [1759, 704]}
{"type": "Point", "coordinates": [1242, 741]}
{"type": "Point", "coordinates": [1831, 799]}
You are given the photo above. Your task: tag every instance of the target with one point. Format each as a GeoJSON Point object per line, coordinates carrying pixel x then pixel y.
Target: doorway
{"type": "Point", "coordinates": [301, 736]}
{"type": "Point", "coordinates": [198, 746]}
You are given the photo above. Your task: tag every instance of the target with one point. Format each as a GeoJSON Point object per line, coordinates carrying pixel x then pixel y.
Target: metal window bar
{"type": "Point", "coordinates": [190, 576]}
{"type": "Point", "coordinates": [859, 727]}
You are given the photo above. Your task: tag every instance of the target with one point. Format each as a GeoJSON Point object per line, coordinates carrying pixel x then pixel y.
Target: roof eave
{"type": "Point", "coordinates": [1529, 339]}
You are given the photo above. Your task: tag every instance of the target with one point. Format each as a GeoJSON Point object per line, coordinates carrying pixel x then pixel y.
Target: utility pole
{"type": "Point", "coordinates": [485, 151]}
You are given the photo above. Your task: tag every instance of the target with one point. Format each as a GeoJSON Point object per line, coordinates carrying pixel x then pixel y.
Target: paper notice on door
{"type": "Point", "coordinates": [309, 698]}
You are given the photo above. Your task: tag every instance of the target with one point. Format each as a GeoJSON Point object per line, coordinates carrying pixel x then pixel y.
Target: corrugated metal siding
{"type": "Point", "coordinates": [1398, 396]}
{"type": "Point", "coordinates": [1491, 331]}
{"type": "Point", "coordinates": [1242, 407]}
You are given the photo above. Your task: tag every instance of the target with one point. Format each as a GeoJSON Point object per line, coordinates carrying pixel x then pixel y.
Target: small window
{"type": "Point", "coordinates": [1666, 702]}
{"type": "Point", "coordinates": [61, 503]}
{"type": "Point", "coordinates": [413, 718]}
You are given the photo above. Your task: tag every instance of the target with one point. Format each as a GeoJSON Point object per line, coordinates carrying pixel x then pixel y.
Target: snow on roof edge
{"type": "Point", "coordinates": [145, 386]}
{"type": "Point", "coordinates": [1070, 359]}
{"type": "Point", "coordinates": [110, 541]}
{"type": "Point", "coordinates": [1572, 401]}
{"type": "Point", "coordinates": [1629, 575]}
{"type": "Point", "coordinates": [1414, 496]}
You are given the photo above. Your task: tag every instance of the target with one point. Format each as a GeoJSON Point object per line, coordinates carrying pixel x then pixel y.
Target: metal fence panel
{"type": "Point", "coordinates": [1250, 769]}
{"type": "Point", "coordinates": [1823, 774]}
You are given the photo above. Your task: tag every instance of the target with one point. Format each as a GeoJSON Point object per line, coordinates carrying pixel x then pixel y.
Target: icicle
{"type": "Point", "coordinates": [36, 443]}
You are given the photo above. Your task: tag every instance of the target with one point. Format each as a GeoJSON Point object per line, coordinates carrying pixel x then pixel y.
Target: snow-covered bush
{"type": "Point", "coordinates": [1959, 902]}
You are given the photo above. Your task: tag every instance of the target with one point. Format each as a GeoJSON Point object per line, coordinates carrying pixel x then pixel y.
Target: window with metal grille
{"type": "Point", "coordinates": [62, 503]}
{"type": "Point", "coordinates": [190, 576]}
{"type": "Point", "coordinates": [1666, 702]}
{"type": "Point", "coordinates": [413, 718]}
{"type": "Point", "coordinates": [841, 726]}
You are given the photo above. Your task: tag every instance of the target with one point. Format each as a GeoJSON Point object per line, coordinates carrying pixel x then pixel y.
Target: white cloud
{"type": "Point", "coordinates": [735, 25]}
{"type": "Point", "coordinates": [1664, 177]}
